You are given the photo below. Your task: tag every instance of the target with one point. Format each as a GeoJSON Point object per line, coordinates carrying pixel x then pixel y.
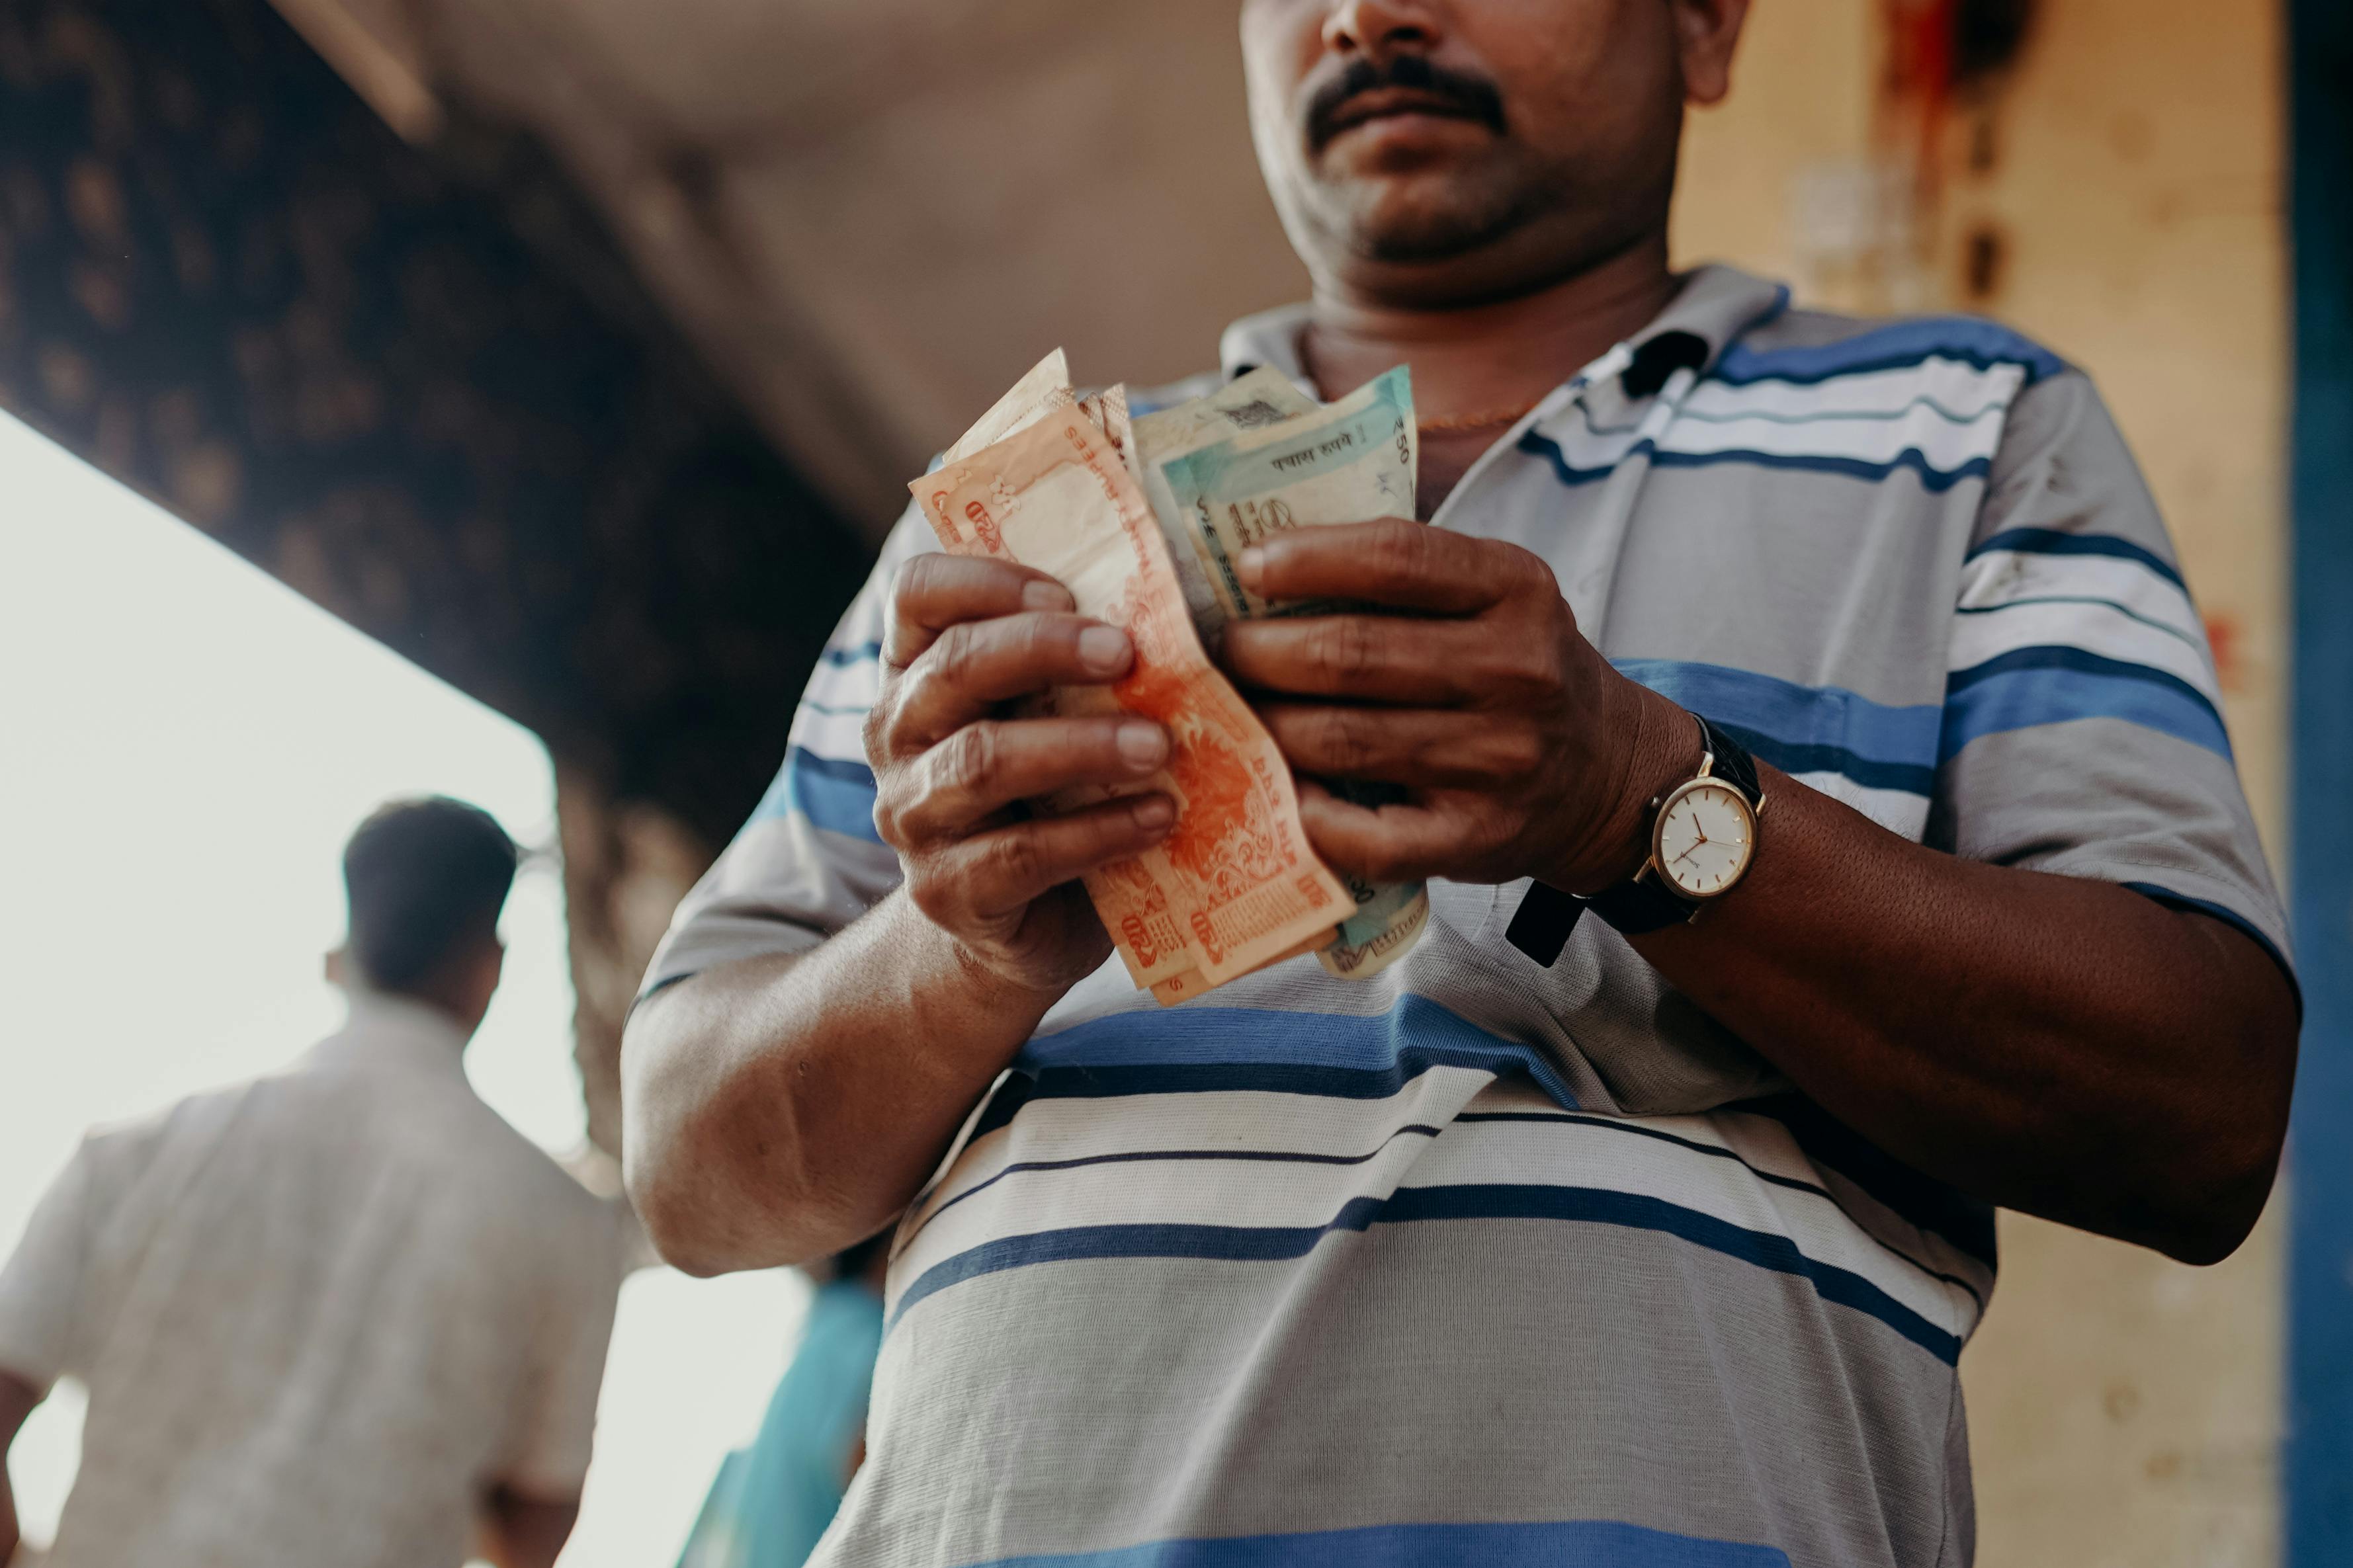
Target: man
{"type": "Point", "coordinates": [341, 1315]}
{"type": "Point", "coordinates": [1651, 1237]}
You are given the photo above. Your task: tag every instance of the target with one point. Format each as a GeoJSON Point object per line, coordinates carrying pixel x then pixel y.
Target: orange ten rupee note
{"type": "Point", "coordinates": [1234, 884]}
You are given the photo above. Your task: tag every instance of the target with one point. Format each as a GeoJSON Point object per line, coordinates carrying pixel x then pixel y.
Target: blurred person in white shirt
{"type": "Point", "coordinates": [342, 1314]}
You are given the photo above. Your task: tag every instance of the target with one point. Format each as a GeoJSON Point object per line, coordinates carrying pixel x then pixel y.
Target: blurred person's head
{"type": "Point", "coordinates": [1431, 153]}
{"type": "Point", "coordinates": [425, 880]}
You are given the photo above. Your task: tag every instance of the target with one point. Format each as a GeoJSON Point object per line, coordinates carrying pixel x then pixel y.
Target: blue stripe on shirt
{"type": "Point", "coordinates": [2051, 541]}
{"type": "Point", "coordinates": [1567, 1543]}
{"type": "Point", "coordinates": [1921, 1202]}
{"type": "Point", "coordinates": [1247, 1050]}
{"type": "Point", "coordinates": [1587, 1206]}
{"type": "Point", "coordinates": [2055, 685]}
{"type": "Point", "coordinates": [1932, 478]}
{"type": "Point", "coordinates": [1211, 1050]}
{"type": "Point", "coordinates": [833, 794]}
{"type": "Point", "coordinates": [1203, 1156]}
{"type": "Point", "coordinates": [1617, 1127]}
{"type": "Point", "coordinates": [1899, 345]}
{"type": "Point", "coordinates": [1804, 729]}
{"type": "Point", "coordinates": [858, 653]}
{"type": "Point", "coordinates": [1798, 728]}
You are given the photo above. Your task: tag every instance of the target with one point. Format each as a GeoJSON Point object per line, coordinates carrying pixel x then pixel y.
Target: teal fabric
{"type": "Point", "coordinates": [717, 1540]}
{"type": "Point", "coordinates": [773, 1500]}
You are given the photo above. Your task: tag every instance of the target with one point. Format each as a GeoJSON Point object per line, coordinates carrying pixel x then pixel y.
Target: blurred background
{"type": "Point", "coordinates": [503, 398]}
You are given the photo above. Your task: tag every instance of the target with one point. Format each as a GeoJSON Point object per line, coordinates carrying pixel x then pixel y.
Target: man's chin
{"type": "Point", "coordinates": [1419, 220]}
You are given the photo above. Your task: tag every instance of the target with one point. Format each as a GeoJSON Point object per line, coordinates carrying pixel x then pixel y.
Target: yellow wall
{"type": "Point", "coordinates": [1800, 109]}
{"type": "Point", "coordinates": [2123, 1410]}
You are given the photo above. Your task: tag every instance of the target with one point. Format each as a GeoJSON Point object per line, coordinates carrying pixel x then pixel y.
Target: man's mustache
{"type": "Point", "coordinates": [1475, 98]}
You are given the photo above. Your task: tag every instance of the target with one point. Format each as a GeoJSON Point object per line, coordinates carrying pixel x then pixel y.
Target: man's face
{"type": "Point", "coordinates": [1439, 152]}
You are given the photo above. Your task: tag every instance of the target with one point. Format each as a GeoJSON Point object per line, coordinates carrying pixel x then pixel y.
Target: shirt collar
{"type": "Point", "coordinates": [1269, 338]}
{"type": "Point", "coordinates": [388, 1030]}
{"type": "Point", "coordinates": [1715, 304]}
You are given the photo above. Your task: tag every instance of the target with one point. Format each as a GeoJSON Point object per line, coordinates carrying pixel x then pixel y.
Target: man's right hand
{"type": "Point", "coordinates": [966, 637]}
{"type": "Point", "coordinates": [781, 1108]}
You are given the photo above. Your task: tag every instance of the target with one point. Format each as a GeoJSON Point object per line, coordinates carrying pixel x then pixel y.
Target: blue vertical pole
{"type": "Point", "coordinates": [2319, 1469]}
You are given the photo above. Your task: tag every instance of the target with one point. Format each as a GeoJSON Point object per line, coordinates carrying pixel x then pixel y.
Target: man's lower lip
{"type": "Point", "coordinates": [1391, 116]}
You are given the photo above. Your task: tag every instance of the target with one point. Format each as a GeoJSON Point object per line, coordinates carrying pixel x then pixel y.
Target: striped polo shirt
{"type": "Point", "coordinates": [1484, 1261]}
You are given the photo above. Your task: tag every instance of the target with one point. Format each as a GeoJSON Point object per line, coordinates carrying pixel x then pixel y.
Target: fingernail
{"type": "Point", "coordinates": [1154, 811]}
{"type": "Point", "coordinates": [1103, 649]}
{"type": "Point", "coordinates": [1048, 597]}
{"type": "Point", "coordinates": [1249, 564]}
{"type": "Point", "coordinates": [1143, 744]}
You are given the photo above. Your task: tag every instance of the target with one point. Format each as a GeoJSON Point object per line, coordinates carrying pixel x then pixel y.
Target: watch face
{"type": "Point", "coordinates": [1705, 836]}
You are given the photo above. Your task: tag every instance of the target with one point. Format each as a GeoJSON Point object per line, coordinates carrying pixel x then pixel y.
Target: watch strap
{"type": "Point", "coordinates": [1733, 763]}
{"type": "Point", "coordinates": [1540, 927]}
{"type": "Point", "coordinates": [1643, 904]}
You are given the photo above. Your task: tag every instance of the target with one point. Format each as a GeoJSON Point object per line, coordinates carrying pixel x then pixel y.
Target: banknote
{"type": "Point", "coordinates": [1186, 986]}
{"type": "Point", "coordinates": [1235, 884]}
{"type": "Point", "coordinates": [1046, 386]}
{"type": "Point", "coordinates": [1350, 461]}
{"type": "Point", "coordinates": [1389, 920]}
{"type": "Point", "coordinates": [1264, 397]}
{"type": "Point", "coordinates": [1107, 412]}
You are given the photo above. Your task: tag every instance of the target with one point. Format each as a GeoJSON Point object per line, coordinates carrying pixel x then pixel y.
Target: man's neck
{"type": "Point", "coordinates": [1469, 358]}
{"type": "Point", "coordinates": [461, 1022]}
{"type": "Point", "coordinates": [1475, 364]}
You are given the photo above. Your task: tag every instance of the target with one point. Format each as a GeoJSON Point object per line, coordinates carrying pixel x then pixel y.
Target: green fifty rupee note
{"type": "Point", "coordinates": [1350, 461]}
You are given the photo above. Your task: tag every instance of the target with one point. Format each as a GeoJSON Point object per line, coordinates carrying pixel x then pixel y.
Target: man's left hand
{"type": "Point", "coordinates": [1523, 752]}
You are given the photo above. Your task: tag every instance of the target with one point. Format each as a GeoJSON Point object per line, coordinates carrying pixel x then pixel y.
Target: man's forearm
{"type": "Point", "coordinates": [2052, 1043]}
{"type": "Point", "coordinates": [780, 1109]}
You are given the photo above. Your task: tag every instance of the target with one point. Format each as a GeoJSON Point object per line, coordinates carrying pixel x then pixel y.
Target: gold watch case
{"type": "Point", "coordinates": [1674, 849]}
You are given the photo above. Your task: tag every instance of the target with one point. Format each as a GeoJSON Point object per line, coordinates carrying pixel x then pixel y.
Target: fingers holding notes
{"type": "Point", "coordinates": [991, 875]}
{"type": "Point", "coordinates": [1404, 842]}
{"type": "Point", "coordinates": [1409, 615]}
{"type": "Point", "coordinates": [1390, 562]}
{"type": "Point", "coordinates": [1058, 494]}
{"type": "Point", "coordinates": [985, 766]}
{"type": "Point", "coordinates": [934, 592]}
{"type": "Point", "coordinates": [964, 638]}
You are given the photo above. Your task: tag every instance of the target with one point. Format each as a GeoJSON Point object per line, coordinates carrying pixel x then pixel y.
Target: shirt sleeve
{"type": "Point", "coordinates": [810, 861]}
{"type": "Point", "coordinates": [2082, 730]}
{"type": "Point", "coordinates": [45, 1286]}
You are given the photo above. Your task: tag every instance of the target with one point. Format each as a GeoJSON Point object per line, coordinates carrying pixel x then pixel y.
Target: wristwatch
{"type": "Point", "coordinates": [1702, 838]}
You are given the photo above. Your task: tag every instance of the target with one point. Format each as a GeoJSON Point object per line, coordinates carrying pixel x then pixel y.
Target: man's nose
{"type": "Point", "coordinates": [1380, 29]}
